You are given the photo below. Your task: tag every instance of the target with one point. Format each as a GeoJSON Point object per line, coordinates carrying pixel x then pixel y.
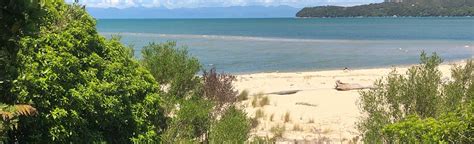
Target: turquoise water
{"type": "Point", "coordinates": [290, 44]}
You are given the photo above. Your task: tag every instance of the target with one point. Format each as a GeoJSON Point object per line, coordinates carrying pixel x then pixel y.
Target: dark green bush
{"type": "Point", "coordinates": [86, 88]}
{"type": "Point", "coordinates": [233, 127]}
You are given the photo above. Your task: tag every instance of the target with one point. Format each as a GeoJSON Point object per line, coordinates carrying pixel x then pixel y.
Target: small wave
{"type": "Point", "coordinates": [277, 39]}
{"type": "Point", "coordinates": [226, 37]}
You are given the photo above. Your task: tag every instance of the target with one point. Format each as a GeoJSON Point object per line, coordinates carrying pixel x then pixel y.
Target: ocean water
{"type": "Point", "coordinates": [292, 44]}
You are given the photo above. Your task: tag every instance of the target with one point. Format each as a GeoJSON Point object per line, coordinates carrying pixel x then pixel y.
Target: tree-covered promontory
{"type": "Point", "coordinates": [415, 8]}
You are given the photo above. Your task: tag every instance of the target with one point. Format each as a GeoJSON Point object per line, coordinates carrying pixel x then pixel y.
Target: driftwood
{"type": "Point", "coordinates": [340, 86]}
{"type": "Point", "coordinates": [289, 92]}
{"type": "Point", "coordinates": [306, 104]}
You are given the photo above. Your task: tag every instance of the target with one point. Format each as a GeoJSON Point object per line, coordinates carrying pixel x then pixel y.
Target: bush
{"type": "Point", "coordinates": [192, 121]}
{"type": "Point", "coordinates": [173, 67]}
{"type": "Point", "coordinates": [244, 95]}
{"type": "Point", "coordinates": [421, 93]}
{"type": "Point", "coordinates": [219, 88]}
{"type": "Point", "coordinates": [85, 88]}
{"type": "Point", "coordinates": [232, 128]}
{"type": "Point", "coordinates": [449, 128]}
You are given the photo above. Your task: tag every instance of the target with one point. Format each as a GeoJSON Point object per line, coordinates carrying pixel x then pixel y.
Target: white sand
{"type": "Point", "coordinates": [334, 114]}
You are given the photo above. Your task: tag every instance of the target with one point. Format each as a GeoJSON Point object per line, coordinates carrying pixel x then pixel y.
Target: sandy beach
{"type": "Point", "coordinates": [318, 113]}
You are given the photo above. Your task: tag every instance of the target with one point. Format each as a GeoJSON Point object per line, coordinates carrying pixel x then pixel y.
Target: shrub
{"type": "Point", "coordinates": [421, 93]}
{"type": "Point", "coordinates": [449, 128]}
{"type": "Point", "coordinates": [172, 66]}
{"type": "Point", "coordinates": [232, 128]}
{"type": "Point", "coordinates": [219, 88]}
{"type": "Point", "coordinates": [86, 88]}
{"type": "Point", "coordinates": [244, 95]}
{"type": "Point", "coordinates": [192, 121]}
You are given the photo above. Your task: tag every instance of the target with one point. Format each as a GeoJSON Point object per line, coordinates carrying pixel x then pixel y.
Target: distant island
{"type": "Point", "coordinates": [415, 8]}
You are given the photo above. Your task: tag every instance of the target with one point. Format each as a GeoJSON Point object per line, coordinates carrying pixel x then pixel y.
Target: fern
{"type": "Point", "coordinates": [9, 112]}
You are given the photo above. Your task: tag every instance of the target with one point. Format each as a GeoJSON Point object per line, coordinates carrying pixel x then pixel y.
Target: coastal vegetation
{"type": "Point", "coordinates": [420, 106]}
{"type": "Point", "coordinates": [62, 82]}
{"type": "Point", "coordinates": [415, 8]}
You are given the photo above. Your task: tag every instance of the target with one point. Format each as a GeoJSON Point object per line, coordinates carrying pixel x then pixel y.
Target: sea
{"type": "Point", "coordinates": [242, 46]}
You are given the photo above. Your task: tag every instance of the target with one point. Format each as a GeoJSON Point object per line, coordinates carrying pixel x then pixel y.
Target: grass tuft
{"type": "Point", "coordinates": [297, 127]}
{"type": "Point", "coordinates": [311, 120]}
{"type": "Point", "coordinates": [259, 113]}
{"type": "Point", "coordinates": [264, 101]}
{"type": "Point", "coordinates": [278, 131]}
{"type": "Point", "coordinates": [286, 118]}
{"type": "Point", "coordinates": [254, 102]}
{"type": "Point", "coordinates": [244, 95]}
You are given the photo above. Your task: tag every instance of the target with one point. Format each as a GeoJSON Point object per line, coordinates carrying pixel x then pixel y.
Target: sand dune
{"type": "Point", "coordinates": [318, 112]}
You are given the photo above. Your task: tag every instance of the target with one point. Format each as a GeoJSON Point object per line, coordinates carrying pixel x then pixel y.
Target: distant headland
{"type": "Point", "coordinates": [389, 8]}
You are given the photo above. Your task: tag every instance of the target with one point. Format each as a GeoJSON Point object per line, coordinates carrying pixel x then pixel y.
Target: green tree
{"type": "Point", "coordinates": [17, 19]}
{"type": "Point", "coordinates": [85, 88]}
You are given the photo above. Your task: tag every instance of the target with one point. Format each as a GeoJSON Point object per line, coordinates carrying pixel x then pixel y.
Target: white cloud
{"type": "Point", "coordinates": [216, 3]}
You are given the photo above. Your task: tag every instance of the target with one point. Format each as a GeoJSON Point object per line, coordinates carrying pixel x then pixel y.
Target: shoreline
{"type": "Point", "coordinates": [450, 62]}
{"type": "Point", "coordinates": [316, 113]}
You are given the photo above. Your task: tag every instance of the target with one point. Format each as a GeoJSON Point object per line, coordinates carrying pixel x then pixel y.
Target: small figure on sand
{"type": "Point", "coordinates": [346, 69]}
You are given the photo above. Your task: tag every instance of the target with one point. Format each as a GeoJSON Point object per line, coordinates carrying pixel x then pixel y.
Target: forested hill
{"type": "Point", "coordinates": [417, 8]}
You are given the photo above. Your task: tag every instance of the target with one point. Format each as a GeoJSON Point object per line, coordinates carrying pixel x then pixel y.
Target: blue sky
{"type": "Point", "coordinates": [217, 3]}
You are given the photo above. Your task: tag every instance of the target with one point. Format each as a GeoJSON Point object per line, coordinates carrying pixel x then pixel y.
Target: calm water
{"type": "Point", "coordinates": [289, 44]}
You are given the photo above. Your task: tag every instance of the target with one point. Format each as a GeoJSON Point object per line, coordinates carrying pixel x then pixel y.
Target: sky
{"type": "Point", "coordinates": [172, 4]}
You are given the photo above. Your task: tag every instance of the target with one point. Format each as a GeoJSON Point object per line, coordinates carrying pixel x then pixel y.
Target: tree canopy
{"type": "Point", "coordinates": [85, 88]}
{"type": "Point", "coordinates": [417, 8]}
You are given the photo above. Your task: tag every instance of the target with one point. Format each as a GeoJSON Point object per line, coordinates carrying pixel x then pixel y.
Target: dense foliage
{"type": "Point", "coordinates": [419, 8]}
{"type": "Point", "coordinates": [85, 88]}
{"type": "Point", "coordinates": [420, 106]}
{"type": "Point", "coordinates": [17, 19]}
{"type": "Point", "coordinates": [195, 104]}
{"type": "Point", "coordinates": [172, 67]}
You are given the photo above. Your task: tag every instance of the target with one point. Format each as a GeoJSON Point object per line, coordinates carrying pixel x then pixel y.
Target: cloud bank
{"type": "Point", "coordinates": [171, 4]}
